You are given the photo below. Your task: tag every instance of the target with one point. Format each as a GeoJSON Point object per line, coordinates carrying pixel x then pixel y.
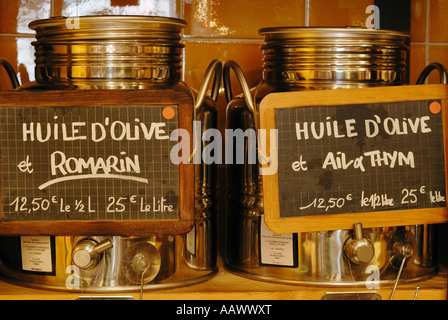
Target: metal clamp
{"type": "Point", "coordinates": [430, 67]}
{"type": "Point", "coordinates": [215, 67]}
{"type": "Point", "coordinates": [243, 84]}
{"type": "Point", "coordinates": [11, 73]}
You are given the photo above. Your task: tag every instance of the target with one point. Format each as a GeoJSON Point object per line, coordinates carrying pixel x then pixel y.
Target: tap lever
{"type": "Point", "coordinates": [86, 254]}
{"type": "Point", "coordinates": [358, 249]}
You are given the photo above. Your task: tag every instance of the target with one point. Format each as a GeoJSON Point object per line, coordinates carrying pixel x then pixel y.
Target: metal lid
{"type": "Point", "coordinates": [107, 27]}
{"type": "Point", "coordinates": [108, 52]}
{"type": "Point", "coordinates": [315, 57]}
{"type": "Point", "coordinates": [323, 32]}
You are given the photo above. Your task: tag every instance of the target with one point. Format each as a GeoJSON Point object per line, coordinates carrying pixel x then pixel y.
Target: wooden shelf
{"type": "Point", "coordinates": [227, 286]}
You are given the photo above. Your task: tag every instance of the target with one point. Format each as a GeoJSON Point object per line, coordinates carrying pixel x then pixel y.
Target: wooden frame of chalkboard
{"type": "Point", "coordinates": [375, 156]}
{"type": "Point", "coordinates": [35, 215]}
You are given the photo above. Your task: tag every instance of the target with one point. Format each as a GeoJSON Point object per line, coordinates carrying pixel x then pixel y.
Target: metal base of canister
{"type": "Point", "coordinates": [114, 272]}
{"type": "Point", "coordinates": [168, 284]}
{"type": "Point", "coordinates": [256, 274]}
{"type": "Point", "coordinates": [321, 258]}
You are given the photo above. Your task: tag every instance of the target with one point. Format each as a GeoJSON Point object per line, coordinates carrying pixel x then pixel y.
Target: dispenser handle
{"type": "Point", "coordinates": [430, 67]}
{"type": "Point", "coordinates": [406, 252]}
{"type": "Point", "coordinates": [11, 73]}
{"type": "Point", "coordinates": [398, 278]}
{"type": "Point", "coordinates": [230, 64]}
{"type": "Point", "coordinates": [86, 253]}
{"type": "Point", "coordinates": [143, 282]}
{"type": "Point", "coordinates": [214, 68]}
{"type": "Point", "coordinates": [358, 249]}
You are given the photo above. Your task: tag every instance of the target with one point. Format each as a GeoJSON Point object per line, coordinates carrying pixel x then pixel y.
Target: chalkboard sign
{"type": "Point", "coordinates": [373, 156]}
{"type": "Point", "coordinates": [108, 162]}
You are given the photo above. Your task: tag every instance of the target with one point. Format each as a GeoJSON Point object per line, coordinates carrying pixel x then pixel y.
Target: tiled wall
{"type": "Point", "coordinates": [216, 29]}
{"type": "Point", "coordinates": [429, 34]}
{"type": "Point", "coordinates": [222, 29]}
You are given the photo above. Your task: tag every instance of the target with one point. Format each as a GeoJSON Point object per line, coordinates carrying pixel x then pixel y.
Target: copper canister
{"type": "Point", "coordinates": [294, 59]}
{"type": "Point", "coordinates": [121, 52]}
